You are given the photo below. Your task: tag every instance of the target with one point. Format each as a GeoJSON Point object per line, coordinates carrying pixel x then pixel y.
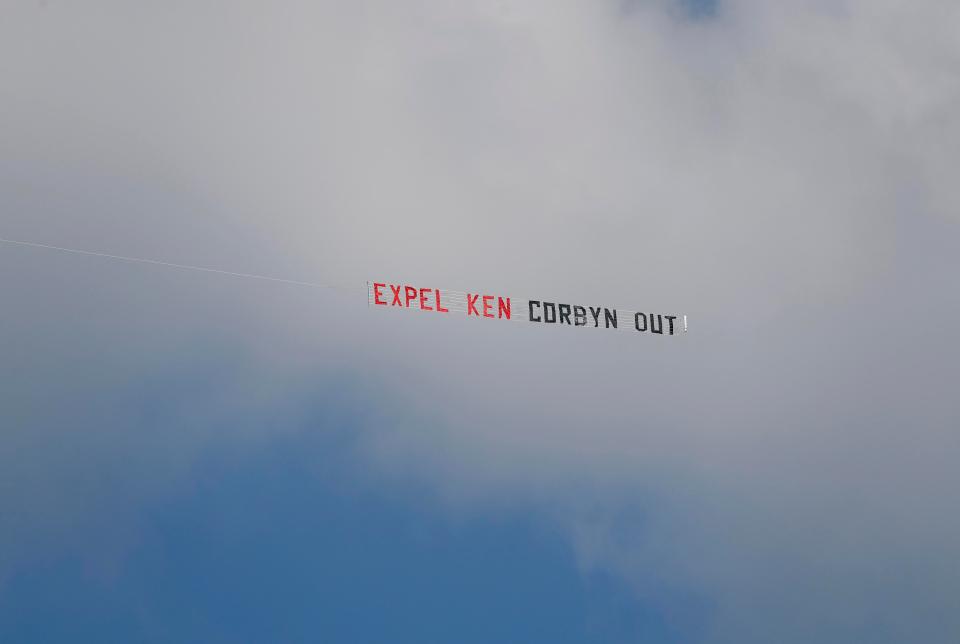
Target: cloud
{"type": "Point", "coordinates": [780, 173]}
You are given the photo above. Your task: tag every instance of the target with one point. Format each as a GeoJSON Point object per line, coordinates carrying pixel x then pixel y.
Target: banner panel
{"type": "Point", "coordinates": [516, 309]}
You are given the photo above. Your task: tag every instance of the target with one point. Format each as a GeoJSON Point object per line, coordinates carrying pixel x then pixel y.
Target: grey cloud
{"type": "Point", "coordinates": [781, 173]}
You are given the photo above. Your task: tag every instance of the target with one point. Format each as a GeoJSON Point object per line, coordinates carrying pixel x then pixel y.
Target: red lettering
{"type": "Point", "coordinates": [487, 306]}
{"type": "Point", "coordinates": [472, 305]}
{"type": "Point", "coordinates": [440, 309]}
{"type": "Point", "coordinates": [396, 295]}
{"type": "Point", "coordinates": [411, 294]}
{"type": "Point", "coordinates": [423, 299]}
{"type": "Point", "coordinates": [503, 308]}
{"type": "Point", "coordinates": [377, 292]}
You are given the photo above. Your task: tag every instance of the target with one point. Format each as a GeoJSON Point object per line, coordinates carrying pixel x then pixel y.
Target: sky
{"type": "Point", "coordinates": [195, 457]}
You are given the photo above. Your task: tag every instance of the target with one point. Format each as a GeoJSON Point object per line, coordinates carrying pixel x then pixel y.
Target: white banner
{"type": "Point", "coordinates": [537, 311]}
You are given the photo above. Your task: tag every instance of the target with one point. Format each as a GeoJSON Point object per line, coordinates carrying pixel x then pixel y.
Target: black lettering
{"type": "Point", "coordinates": [636, 321]}
{"type": "Point", "coordinates": [653, 327]}
{"type": "Point", "coordinates": [564, 313]}
{"type": "Point", "coordinates": [610, 317]}
{"type": "Point", "coordinates": [549, 313]}
{"type": "Point", "coordinates": [670, 319]}
{"type": "Point", "coordinates": [595, 312]}
{"type": "Point", "coordinates": [579, 316]}
{"type": "Point", "coordinates": [531, 318]}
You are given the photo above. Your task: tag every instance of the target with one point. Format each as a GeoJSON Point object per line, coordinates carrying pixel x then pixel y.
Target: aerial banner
{"type": "Point", "coordinates": [506, 308]}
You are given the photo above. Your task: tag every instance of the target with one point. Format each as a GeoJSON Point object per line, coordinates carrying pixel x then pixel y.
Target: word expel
{"type": "Point", "coordinates": [432, 299]}
{"type": "Point", "coordinates": [425, 299]}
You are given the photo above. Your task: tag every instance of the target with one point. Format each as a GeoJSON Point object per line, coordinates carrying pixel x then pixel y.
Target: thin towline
{"type": "Point", "coordinates": [189, 267]}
